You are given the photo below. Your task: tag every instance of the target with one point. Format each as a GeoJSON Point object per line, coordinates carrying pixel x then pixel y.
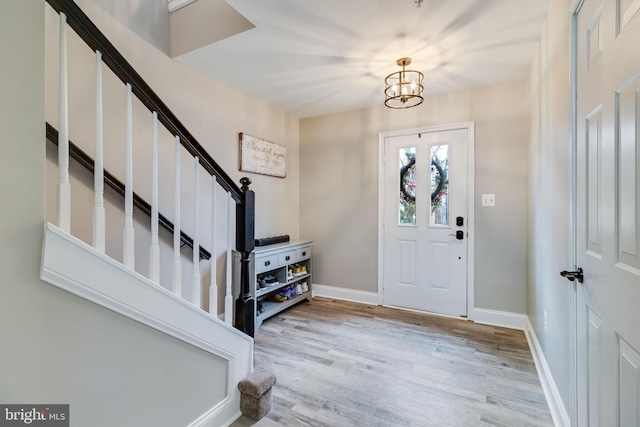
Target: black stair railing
{"type": "Point", "coordinates": [244, 197]}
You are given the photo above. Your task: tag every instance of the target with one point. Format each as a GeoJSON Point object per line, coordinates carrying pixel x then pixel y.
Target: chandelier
{"type": "Point", "coordinates": [403, 89]}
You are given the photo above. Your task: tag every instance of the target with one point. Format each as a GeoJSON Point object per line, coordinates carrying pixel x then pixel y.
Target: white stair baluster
{"type": "Point", "coordinates": [154, 250]}
{"type": "Point", "coordinates": [213, 286]}
{"type": "Point", "coordinates": [64, 188]}
{"type": "Point", "coordinates": [228, 299]}
{"type": "Point", "coordinates": [98, 172]}
{"type": "Point", "coordinates": [176, 286]}
{"type": "Point", "coordinates": [128, 241]}
{"type": "Point", "coordinates": [196, 291]}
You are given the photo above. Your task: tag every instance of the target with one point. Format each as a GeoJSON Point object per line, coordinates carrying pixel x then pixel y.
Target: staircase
{"type": "Point", "coordinates": [132, 258]}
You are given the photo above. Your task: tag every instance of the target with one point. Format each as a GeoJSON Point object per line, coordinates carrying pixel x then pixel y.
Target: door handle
{"type": "Point", "coordinates": [459, 235]}
{"type": "Point", "coordinates": [573, 275]}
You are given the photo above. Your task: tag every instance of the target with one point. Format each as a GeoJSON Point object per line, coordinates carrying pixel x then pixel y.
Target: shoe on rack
{"type": "Point", "coordinates": [271, 281]}
{"type": "Point", "coordinates": [299, 270]}
{"type": "Point", "coordinates": [305, 287]}
{"type": "Point", "coordinates": [289, 273]}
{"type": "Point", "coordinates": [299, 289]}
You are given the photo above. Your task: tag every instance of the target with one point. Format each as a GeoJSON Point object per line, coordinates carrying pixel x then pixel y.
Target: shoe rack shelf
{"type": "Point", "coordinates": [281, 269]}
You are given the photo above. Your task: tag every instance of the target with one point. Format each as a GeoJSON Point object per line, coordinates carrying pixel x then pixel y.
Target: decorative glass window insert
{"type": "Point", "coordinates": [407, 199]}
{"type": "Point", "coordinates": [439, 185]}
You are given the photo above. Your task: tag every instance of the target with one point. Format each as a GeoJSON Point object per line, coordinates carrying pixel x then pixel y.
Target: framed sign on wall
{"type": "Point", "coordinates": [261, 156]}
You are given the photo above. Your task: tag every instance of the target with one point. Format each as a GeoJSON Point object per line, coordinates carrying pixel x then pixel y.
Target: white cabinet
{"type": "Point", "coordinates": [280, 276]}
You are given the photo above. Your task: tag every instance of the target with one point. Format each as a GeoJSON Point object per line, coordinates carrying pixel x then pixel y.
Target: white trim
{"type": "Point", "coordinates": [177, 4]}
{"type": "Point", "coordinates": [78, 268]}
{"type": "Point", "coordinates": [429, 313]}
{"type": "Point", "coordinates": [556, 406]}
{"type": "Point", "coordinates": [344, 294]}
{"type": "Point", "coordinates": [471, 193]}
{"type": "Point", "coordinates": [504, 319]}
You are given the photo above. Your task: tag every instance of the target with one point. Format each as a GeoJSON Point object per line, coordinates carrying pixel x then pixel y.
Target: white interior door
{"type": "Point", "coordinates": [608, 207]}
{"type": "Point", "coordinates": [425, 221]}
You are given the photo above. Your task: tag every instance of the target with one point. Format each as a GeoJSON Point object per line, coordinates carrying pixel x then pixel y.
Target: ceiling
{"type": "Point", "coordinates": [312, 58]}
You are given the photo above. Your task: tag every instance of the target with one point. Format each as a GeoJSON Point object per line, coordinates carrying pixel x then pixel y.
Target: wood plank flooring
{"type": "Point", "coordinates": [347, 364]}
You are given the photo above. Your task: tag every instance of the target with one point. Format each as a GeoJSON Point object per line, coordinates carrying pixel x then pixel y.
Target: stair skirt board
{"type": "Point", "coordinates": [76, 267]}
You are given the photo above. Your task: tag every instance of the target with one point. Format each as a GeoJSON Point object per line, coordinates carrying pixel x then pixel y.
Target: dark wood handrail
{"type": "Point", "coordinates": [85, 160]}
{"type": "Point", "coordinates": [94, 38]}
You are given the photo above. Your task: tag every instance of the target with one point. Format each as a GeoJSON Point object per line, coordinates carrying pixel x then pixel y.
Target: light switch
{"type": "Point", "coordinates": [488, 200]}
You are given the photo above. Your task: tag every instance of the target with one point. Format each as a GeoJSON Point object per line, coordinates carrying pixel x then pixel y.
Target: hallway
{"type": "Point", "coordinates": [345, 364]}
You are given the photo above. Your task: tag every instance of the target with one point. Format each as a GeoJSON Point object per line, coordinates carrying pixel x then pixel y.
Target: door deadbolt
{"type": "Point", "coordinates": [459, 235]}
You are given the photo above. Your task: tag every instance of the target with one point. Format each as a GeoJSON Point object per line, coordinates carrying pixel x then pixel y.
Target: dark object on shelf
{"type": "Point", "coordinates": [271, 240]}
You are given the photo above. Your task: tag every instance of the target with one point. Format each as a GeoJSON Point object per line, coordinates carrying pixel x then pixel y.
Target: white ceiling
{"type": "Point", "coordinates": [311, 58]}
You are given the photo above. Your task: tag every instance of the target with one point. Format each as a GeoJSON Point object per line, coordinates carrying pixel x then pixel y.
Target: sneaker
{"type": "Point", "coordinates": [305, 287]}
{"type": "Point", "coordinates": [289, 274]}
{"type": "Point", "coordinates": [299, 290]}
{"type": "Point", "coordinates": [299, 270]}
{"type": "Point", "coordinates": [271, 281]}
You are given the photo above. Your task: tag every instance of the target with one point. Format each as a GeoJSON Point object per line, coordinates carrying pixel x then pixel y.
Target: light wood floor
{"type": "Point", "coordinates": [346, 364]}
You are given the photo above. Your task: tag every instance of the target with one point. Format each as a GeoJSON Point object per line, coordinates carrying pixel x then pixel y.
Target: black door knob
{"type": "Point", "coordinates": [573, 275]}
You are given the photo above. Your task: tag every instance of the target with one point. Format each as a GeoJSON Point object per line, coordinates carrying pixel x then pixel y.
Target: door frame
{"type": "Point", "coordinates": [576, 5]}
{"type": "Point", "coordinates": [471, 167]}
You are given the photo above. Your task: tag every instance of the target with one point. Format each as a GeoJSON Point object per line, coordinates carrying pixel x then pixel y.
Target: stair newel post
{"type": "Point", "coordinates": [245, 243]}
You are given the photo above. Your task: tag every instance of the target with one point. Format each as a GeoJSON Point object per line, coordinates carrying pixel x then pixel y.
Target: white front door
{"type": "Point", "coordinates": [608, 212]}
{"type": "Point", "coordinates": [425, 221]}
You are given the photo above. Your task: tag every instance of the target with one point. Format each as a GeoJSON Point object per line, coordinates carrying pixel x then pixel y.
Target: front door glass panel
{"type": "Point", "coordinates": [439, 186]}
{"type": "Point", "coordinates": [407, 196]}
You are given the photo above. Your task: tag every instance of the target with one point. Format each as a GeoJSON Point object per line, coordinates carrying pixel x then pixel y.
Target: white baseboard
{"type": "Point", "coordinates": [344, 294]}
{"type": "Point", "coordinates": [505, 319]}
{"type": "Point", "coordinates": [556, 407]}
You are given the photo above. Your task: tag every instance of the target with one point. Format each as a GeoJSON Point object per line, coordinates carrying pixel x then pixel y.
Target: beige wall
{"type": "Point", "coordinates": [339, 188]}
{"type": "Point", "coordinates": [56, 347]}
{"type": "Point", "coordinates": [549, 226]}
